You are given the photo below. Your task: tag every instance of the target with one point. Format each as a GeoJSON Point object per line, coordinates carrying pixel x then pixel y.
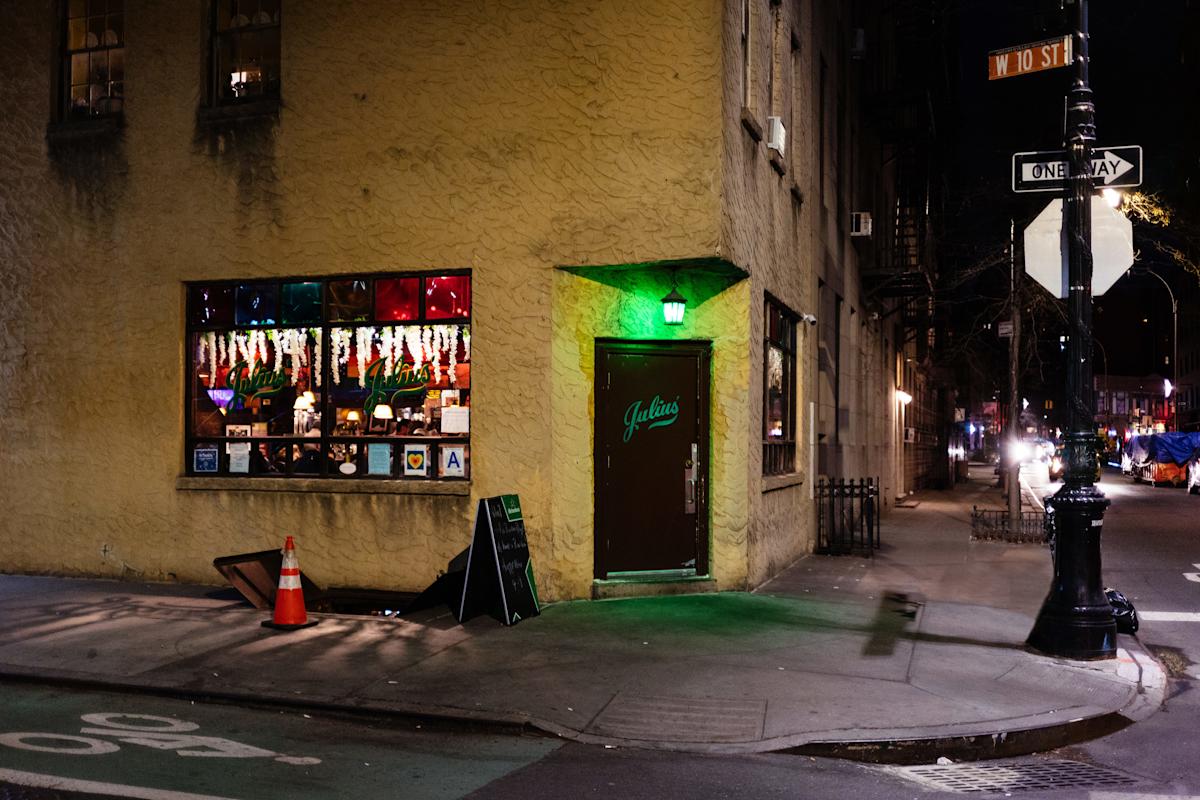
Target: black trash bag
{"type": "Point", "coordinates": [1123, 611]}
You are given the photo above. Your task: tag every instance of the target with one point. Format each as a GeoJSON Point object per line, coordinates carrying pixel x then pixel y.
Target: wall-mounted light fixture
{"type": "Point", "coordinates": [904, 397]}
{"type": "Point", "coordinates": [673, 304]}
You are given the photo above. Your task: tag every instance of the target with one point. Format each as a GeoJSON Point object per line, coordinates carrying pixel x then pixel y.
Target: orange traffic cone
{"type": "Point", "coordinates": [289, 597]}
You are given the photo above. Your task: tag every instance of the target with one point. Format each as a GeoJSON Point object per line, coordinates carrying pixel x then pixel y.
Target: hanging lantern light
{"type": "Point", "coordinates": [673, 305]}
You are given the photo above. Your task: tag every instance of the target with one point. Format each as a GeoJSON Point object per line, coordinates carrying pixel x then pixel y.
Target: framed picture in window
{"type": "Point", "coordinates": [416, 460]}
{"type": "Point", "coordinates": [206, 458]}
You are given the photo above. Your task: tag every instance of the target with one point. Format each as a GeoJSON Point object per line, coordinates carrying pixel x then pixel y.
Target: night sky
{"type": "Point", "coordinates": [1144, 85]}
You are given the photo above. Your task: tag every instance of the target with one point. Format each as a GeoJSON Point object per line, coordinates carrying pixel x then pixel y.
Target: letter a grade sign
{"type": "Point", "coordinates": [1026, 58]}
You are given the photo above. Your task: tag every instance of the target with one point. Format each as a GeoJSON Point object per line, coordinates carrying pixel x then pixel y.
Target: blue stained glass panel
{"type": "Point", "coordinates": [301, 303]}
{"type": "Point", "coordinates": [256, 304]}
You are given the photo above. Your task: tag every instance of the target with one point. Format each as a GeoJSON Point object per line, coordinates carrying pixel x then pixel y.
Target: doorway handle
{"type": "Point", "coordinates": [690, 469]}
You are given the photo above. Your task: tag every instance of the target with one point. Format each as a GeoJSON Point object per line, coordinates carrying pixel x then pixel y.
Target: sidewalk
{"type": "Point", "coordinates": [915, 653]}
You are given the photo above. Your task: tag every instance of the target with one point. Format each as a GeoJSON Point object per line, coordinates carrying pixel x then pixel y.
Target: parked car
{"type": "Point", "coordinates": [1029, 451]}
{"type": "Point", "coordinates": [1057, 465]}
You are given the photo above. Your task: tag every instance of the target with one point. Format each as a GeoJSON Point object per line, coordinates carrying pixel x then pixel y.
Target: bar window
{"type": "Point", "coordinates": [245, 50]}
{"type": "Point", "coordinates": [341, 385]}
{"type": "Point", "coordinates": [93, 59]}
{"type": "Point", "coordinates": [779, 388]}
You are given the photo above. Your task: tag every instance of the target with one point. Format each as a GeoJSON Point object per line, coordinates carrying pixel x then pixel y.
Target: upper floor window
{"type": "Point", "coordinates": [245, 50]}
{"type": "Point", "coordinates": [93, 69]}
{"type": "Point", "coordinates": [779, 395]}
{"type": "Point", "coordinates": [745, 46]}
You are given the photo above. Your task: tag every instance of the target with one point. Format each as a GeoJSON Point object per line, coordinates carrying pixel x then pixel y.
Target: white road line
{"type": "Point", "coordinates": [1169, 616]}
{"type": "Point", "coordinates": [37, 781]}
{"type": "Point", "coordinates": [1139, 796]}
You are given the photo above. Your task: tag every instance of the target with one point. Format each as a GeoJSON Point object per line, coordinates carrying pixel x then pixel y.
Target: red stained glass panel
{"type": "Point", "coordinates": [397, 299]}
{"type": "Point", "coordinates": [448, 297]}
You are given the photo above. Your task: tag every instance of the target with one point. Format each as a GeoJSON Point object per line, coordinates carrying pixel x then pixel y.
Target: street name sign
{"type": "Point", "coordinates": [1026, 58]}
{"type": "Point", "coordinates": [1046, 248]}
{"type": "Point", "coordinates": [1048, 170]}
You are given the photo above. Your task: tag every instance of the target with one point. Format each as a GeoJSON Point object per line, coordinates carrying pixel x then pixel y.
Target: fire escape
{"type": "Point", "coordinates": [900, 276]}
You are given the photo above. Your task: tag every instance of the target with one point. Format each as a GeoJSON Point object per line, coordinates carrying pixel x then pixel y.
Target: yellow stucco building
{"type": "Point", "coordinates": [212, 208]}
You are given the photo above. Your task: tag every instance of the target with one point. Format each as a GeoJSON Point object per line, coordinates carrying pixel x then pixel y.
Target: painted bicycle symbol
{"type": "Point", "coordinates": [145, 730]}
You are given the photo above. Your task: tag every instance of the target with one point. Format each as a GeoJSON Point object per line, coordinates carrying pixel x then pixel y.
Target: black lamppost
{"type": "Point", "coordinates": [1075, 620]}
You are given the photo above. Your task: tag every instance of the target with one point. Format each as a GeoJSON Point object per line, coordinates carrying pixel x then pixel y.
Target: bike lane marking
{"type": "Point", "coordinates": [171, 744]}
{"type": "Point", "coordinates": [36, 780]}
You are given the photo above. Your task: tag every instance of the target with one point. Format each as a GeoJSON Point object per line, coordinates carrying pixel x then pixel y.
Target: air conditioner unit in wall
{"type": "Point", "coordinates": [776, 134]}
{"type": "Point", "coordinates": [858, 51]}
{"type": "Point", "coordinates": [860, 223]}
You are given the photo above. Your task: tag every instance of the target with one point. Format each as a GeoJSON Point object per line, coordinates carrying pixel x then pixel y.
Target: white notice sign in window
{"type": "Point", "coordinates": [239, 456]}
{"type": "Point", "coordinates": [456, 419]}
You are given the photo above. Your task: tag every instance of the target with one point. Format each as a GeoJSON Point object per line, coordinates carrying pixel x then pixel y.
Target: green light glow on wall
{"type": "Point", "coordinates": [673, 307]}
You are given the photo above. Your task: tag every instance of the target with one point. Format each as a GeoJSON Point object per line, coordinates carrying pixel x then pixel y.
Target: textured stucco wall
{"type": "Point", "coordinates": [504, 136]}
{"type": "Point", "coordinates": [788, 244]}
{"type": "Point", "coordinates": [766, 228]}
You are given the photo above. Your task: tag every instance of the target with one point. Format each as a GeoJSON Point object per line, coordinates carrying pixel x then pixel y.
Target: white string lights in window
{"type": "Point", "coordinates": [282, 348]}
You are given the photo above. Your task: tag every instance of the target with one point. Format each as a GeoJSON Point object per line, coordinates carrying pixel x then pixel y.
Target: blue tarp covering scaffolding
{"type": "Point", "coordinates": [1174, 447]}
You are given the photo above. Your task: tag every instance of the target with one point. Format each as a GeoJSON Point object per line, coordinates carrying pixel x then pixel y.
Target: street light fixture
{"type": "Point", "coordinates": [1174, 333]}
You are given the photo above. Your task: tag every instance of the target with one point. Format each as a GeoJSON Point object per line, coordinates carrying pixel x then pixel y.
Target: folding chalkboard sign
{"type": "Point", "coordinates": [499, 572]}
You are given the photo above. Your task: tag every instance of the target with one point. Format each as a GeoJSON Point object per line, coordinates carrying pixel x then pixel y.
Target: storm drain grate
{"type": "Point", "coordinates": [1015, 777]}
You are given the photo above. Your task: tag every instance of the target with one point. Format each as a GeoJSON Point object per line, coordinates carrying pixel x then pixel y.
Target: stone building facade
{"type": "Point", "coordinates": [574, 161]}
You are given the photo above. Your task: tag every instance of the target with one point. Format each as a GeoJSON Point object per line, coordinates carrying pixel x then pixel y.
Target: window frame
{"type": "Point", "coordinates": [328, 437]}
{"type": "Point", "coordinates": [746, 41]}
{"type": "Point", "coordinates": [216, 98]}
{"type": "Point", "coordinates": [779, 454]}
{"type": "Point", "coordinates": [64, 112]}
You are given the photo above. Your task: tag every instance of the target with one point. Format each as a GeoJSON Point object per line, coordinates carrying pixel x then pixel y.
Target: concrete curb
{"type": "Point", "coordinates": [965, 742]}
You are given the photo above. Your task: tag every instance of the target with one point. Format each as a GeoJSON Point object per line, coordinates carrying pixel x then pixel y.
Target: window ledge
{"type": "Point", "coordinates": [188, 483]}
{"type": "Point", "coordinates": [777, 163]}
{"type": "Point", "coordinates": [751, 125]}
{"type": "Point", "coordinates": [80, 130]}
{"type": "Point", "coordinates": [264, 108]}
{"type": "Point", "coordinates": [772, 483]}
{"type": "Point", "coordinates": [797, 194]}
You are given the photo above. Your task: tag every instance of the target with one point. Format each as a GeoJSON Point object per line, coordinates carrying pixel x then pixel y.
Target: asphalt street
{"type": "Point", "coordinates": [1151, 552]}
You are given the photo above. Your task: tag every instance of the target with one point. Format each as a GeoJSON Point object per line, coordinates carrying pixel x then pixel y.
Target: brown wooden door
{"type": "Point", "coordinates": [651, 456]}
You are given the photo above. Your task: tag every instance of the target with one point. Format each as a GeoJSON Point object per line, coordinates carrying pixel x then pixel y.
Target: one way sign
{"type": "Point", "coordinates": [1046, 171]}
